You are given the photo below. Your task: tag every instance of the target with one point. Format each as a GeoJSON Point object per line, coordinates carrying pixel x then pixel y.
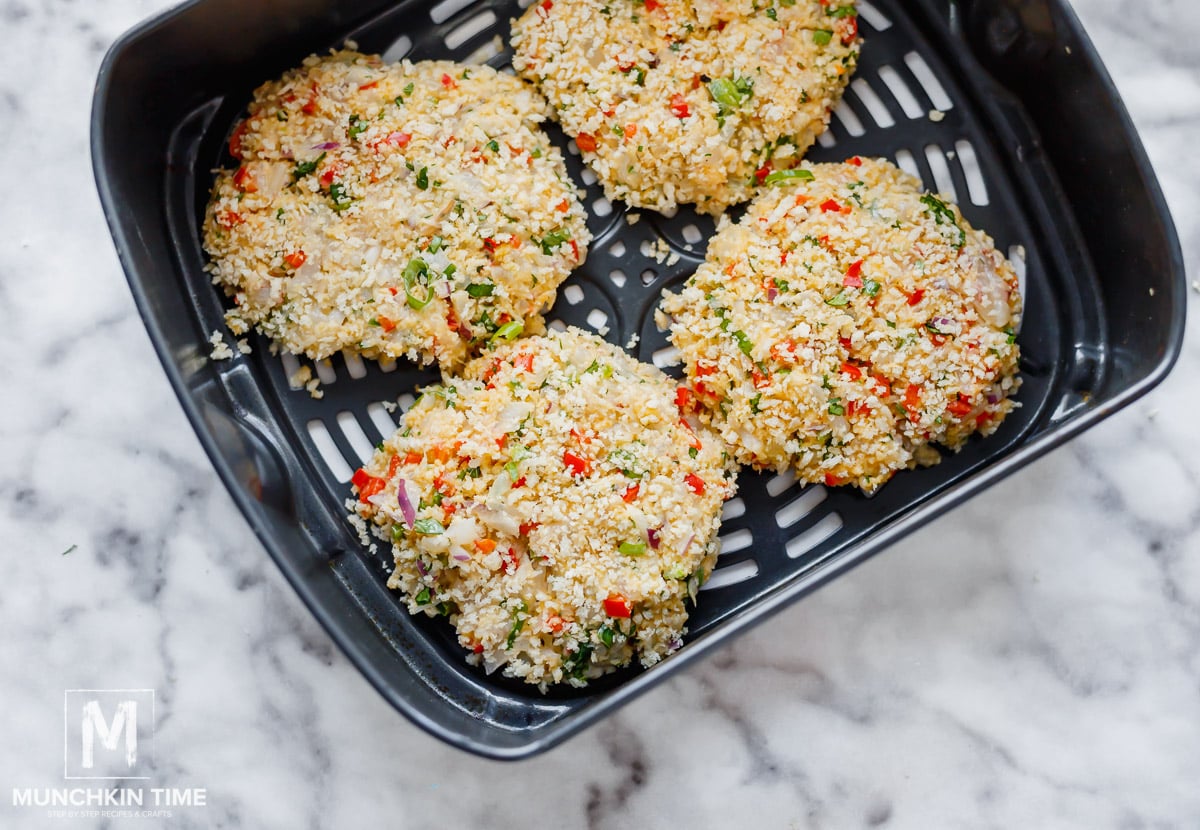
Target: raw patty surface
{"type": "Point", "coordinates": [554, 504]}
{"type": "Point", "coordinates": [408, 210]}
{"type": "Point", "coordinates": [847, 323]}
{"type": "Point", "coordinates": [676, 102]}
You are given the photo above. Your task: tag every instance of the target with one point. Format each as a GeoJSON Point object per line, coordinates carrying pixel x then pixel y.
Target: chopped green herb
{"type": "Point", "coordinates": [553, 240]}
{"type": "Point", "coordinates": [414, 273]}
{"type": "Point", "coordinates": [415, 270]}
{"type": "Point", "coordinates": [871, 288]}
{"type": "Point", "coordinates": [943, 215]}
{"type": "Point", "coordinates": [428, 527]}
{"type": "Point", "coordinates": [517, 609]}
{"type": "Point", "coordinates": [358, 126]}
{"type": "Point", "coordinates": [480, 289]}
{"type": "Point", "coordinates": [838, 300]}
{"type": "Point", "coordinates": [424, 597]}
{"type": "Point", "coordinates": [626, 462]}
{"type": "Point", "coordinates": [517, 625]}
{"type": "Point", "coordinates": [632, 548]}
{"type": "Point", "coordinates": [493, 145]}
{"type": "Point", "coordinates": [340, 198]}
{"type": "Point", "coordinates": [575, 664]}
{"type": "Point", "coordinates": [744, 342]}
{"type": "Point", "coordinates": [418, 303]}
{"type": "Point", "coordinates": [730, 93]}
{"type": "Point", "coordinates": [822, 37]}
{"type": "Point", "coordinates": [306, 167]}
{"type": "Point", "coordinates": [423, 178]}
{"type": "Point", "coordinates": [798, 174]}
{"type": "Point", "coordinates": [509, 331]}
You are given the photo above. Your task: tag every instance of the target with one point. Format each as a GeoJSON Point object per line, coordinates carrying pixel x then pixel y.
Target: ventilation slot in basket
{"type": "Point", "coordinates": [900, 91]}
{"type": "Point", "coordinates": [465, 31]}
{"type": "Point", "coordinates": [328, 450]}
{"type": "Point", "coordinates": [398, 50]}
{"type": "Point", "coordinates": [735, 541]}
{"type": "Point", "coordinates": [805, 541]}
{"type": "Point", "coordinates": [447, 9]}
{"type": "Point", "coordinates": [798, 508]}
{"type": "Point", "coordinates": [929, 82]}
{"type": "Point", "coordinates": [874, 104]}
{"type": "Point", "coordinates": [873, 17]}
{"type": "Point", "coordinates": [732, 575]}
{"type": "Point", "coordinates": [354, 434]}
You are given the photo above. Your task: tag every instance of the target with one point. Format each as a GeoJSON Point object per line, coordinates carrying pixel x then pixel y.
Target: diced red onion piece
{"type": "Point", "coordinates": [406, 505]}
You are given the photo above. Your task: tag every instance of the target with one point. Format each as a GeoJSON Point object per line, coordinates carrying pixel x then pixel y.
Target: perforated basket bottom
{"type": "Point", "coordinates": [902, 104]}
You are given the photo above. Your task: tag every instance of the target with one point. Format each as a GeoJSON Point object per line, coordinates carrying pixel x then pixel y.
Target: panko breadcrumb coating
{"type": "Point", "coordinates": [553, 504]}
{"type": "Point", "coordinates": [689, 102]}
{"type": "Point", "coordinates": [409, 210]}
{"type": "Point", "coordinates": [845, 324]}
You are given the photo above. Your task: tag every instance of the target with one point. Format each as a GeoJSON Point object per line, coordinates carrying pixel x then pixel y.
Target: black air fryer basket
{"type": "Point", "coordinates": [1001, 103]}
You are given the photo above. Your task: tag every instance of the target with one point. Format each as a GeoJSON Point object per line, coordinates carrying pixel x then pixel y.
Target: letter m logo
{"type": "Point", "coordinates": [125, 720]}
{"type": "Point", "coordinates": [103, 728]}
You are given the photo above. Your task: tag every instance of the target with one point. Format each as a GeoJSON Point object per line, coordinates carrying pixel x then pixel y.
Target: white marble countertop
{"type": "Point", "coordinates": [1030, 660]}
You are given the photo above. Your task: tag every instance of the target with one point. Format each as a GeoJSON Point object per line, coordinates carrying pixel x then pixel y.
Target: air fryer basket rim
{"type": "Point", "coordinates": [348, 640]}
